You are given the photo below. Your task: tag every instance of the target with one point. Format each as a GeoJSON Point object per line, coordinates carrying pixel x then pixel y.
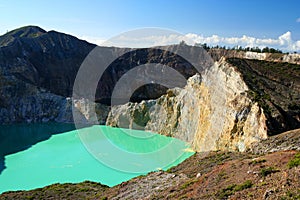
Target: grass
{"type": "Point", "coordinates": [291, 195]}
{"type": "Point", "coordinates": [245, 185]}
{"type": "Point", "coordinates": [231, 189]}
{"type": "Point", "coordinates": [257, 161]}
{"type": "Point", "coordinates": [295, 162]}
{"type": "Point", "coordinates": [268, 170]}
{"type": "Point", "coordinates": [188, 183]}
{"type": "Point", "coordinates": [219, 158]}
{"type": "Point", "coordinates": [221, 175]}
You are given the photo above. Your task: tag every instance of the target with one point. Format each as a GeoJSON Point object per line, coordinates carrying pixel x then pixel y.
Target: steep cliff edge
{"type": "Point", "coordinates": [213, 112]}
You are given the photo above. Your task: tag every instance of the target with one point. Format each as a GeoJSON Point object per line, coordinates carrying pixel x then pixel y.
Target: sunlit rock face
{"type": "Point", "coordinates": [212, 112]}
{"type": "Point", "coordinates": [217, 54]}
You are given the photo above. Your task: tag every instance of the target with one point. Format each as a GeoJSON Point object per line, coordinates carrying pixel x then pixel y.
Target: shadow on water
{"type": "Point", "coordinates": [18, 137]}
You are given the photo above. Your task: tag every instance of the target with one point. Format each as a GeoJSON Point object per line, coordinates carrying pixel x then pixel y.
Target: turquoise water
{"type": "Point", "coordinates": [97, 153]}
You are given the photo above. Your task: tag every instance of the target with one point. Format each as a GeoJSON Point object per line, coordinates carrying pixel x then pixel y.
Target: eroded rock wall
{"type": "Point", "coordinates": [212, 112]}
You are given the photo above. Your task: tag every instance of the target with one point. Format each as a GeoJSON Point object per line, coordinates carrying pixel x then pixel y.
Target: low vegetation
{"type": "Point", "coordinates": [257, 161]}
{"type": "Point", "coordinates": [231, 189]}
{"type": "Point", "coordinates": [268, 170]}
{"type": "Point", "coordinates": [295, 162]}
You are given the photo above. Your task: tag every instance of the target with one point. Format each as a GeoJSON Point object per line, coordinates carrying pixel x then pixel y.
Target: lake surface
{"type": "Point", "coordinates": [36, 155]}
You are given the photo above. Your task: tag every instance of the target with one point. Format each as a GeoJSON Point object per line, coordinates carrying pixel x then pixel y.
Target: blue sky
{"type": "Point", "coordinates": [264, 19]}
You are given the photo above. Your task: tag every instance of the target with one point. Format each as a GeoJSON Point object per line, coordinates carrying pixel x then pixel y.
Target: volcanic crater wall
{"type": "Point", "coordinates": [212, 112]}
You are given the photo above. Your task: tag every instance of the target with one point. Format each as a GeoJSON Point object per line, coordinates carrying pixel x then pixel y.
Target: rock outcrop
{"type": "Point", "coordinates": [217, 54]}
{"type": "Point", "coordinates": [286, 141]}
{"type": "Point", "coordinates": [213, 112]}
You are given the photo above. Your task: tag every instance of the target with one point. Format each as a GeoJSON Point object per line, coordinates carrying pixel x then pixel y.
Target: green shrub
{"type": "Point", "coordinates": [295, 161]}
{"type": "Point", "coordinates": [257, 161]}
{"type": "Point", "coordinates": [189, 182]}
{"type": "Point", "coordinates": [268, 170]}
{"type": "Point", "coordinates": [225, 192]}
{"type": "Point", "coordinates": [221, 175]}
{"type": "Point", "coordinates": [245, 185]}
{"type": "Point", "coordinates": [291, 195]}
{"type": "Point", "coordinates": [231, 189]}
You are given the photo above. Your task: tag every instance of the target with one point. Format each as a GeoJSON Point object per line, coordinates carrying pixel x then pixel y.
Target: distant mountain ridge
{"type": "Point", "coordinates": [45, 59]}
{"type": "Point", "coordinates": [38, 69]}
{"type": "Point", "coordinates": [24, 32]}
{"type": "Point", "coordinates": [50, 60]}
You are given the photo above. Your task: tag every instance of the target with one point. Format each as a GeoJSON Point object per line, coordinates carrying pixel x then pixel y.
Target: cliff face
{"type": "Point", "coordinates": [213, 112]}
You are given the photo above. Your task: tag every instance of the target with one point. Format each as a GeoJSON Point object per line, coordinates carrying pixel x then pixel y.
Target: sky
{"type": "Point", "coordinates": [274, 23]}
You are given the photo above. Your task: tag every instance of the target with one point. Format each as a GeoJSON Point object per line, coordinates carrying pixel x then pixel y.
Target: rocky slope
{"type": "Point", "coordinates": [48, 60]}
{"type": "Point", "coordinates": [289, 140]}
{"type": "Point", "coordinates": [276, 88]}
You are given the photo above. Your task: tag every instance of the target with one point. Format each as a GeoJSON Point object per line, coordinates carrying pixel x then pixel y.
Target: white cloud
{"type": "Point", "coordinates": [94, 40]}
{"type": "Point", "coordinates": [298, 20]}
{"type": "Point", "coordinates": [283, 42]}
